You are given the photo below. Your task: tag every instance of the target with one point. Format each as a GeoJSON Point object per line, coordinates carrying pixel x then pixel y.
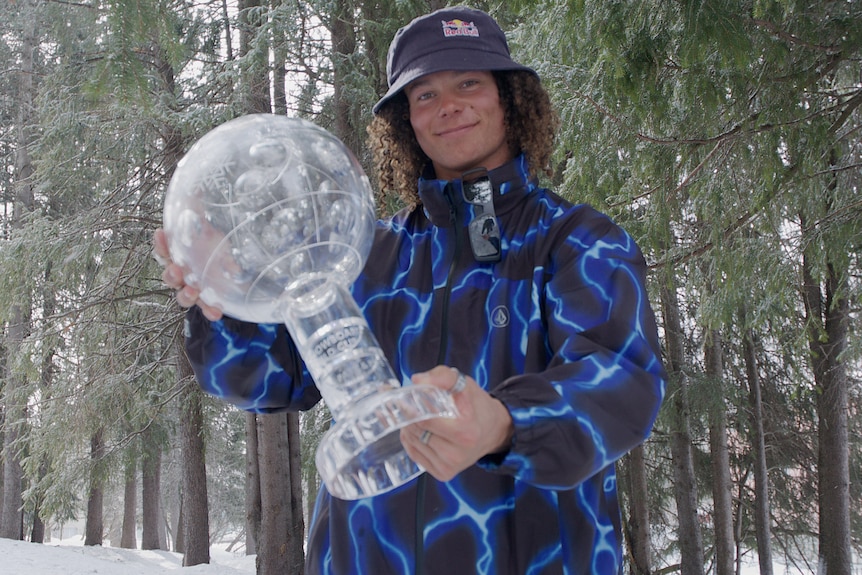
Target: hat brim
{"type": "Point", "coordinates": [457, 59]}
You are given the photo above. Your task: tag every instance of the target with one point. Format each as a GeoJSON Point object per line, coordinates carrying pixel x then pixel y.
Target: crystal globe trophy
{"type": "Point", "coordinates": [272, 219]}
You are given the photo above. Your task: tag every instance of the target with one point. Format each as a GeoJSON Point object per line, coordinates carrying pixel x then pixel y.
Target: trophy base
{"type": "Point", "coordinates": [361, 455]}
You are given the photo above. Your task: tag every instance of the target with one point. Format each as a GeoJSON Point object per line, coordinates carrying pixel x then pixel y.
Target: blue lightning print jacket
{"type": "Point", "coordinates": [560, 330]}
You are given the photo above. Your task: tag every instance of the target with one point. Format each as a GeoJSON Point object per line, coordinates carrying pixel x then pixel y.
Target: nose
{"type": "Point", "coordinates": [449, 104]}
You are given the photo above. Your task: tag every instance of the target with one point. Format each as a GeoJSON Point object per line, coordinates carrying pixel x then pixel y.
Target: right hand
{"type": "Point", "coordinates": [174, 278]}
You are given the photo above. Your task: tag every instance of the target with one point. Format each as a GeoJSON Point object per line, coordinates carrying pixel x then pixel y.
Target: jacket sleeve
{"type": "Point", "coordinates": [253, 366]}
{"type": "Point", "coordinates": [605, 381]}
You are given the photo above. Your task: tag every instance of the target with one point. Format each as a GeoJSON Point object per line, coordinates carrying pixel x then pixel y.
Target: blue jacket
{"type": "Point", "coordinates": [560, 330]}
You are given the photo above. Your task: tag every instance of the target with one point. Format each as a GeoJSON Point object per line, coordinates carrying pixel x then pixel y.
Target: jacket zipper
{"type": "Point", "coordinates": [419, 568]}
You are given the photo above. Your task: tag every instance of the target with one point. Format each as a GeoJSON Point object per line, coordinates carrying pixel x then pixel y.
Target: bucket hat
{"type": "Point", "coordinates": [457, 38]}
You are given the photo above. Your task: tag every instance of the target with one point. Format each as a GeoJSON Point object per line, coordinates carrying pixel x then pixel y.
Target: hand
{"type": "Point", "coordinates": [482, 427]}
{"type": "Point", "coordinates": [173, 276]}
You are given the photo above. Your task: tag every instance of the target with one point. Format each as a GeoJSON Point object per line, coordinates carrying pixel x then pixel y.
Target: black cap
{"type": "Point", "coordinates": [458, 38]}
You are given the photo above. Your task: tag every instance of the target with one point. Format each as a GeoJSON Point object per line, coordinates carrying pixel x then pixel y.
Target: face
{"type": "Point", "coordinates": [458, 121]}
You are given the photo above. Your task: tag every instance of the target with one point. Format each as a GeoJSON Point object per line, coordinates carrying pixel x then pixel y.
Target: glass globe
{"type": "Point", "coordinates": [267, 208]}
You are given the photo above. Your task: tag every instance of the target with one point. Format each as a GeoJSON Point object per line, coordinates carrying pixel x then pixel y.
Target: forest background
{"type": "Point", "coordinates": [724, 135]}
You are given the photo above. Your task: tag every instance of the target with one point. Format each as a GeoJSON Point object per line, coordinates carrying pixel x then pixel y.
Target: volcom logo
{"type": "Point", "coordinates": [500, 316]}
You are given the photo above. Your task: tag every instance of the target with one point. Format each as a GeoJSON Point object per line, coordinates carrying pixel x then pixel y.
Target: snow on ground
{"type": "Point", "coordinates": [70, 557]}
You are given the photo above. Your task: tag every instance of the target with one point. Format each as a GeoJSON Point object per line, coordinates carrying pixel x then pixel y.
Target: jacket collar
{"type": "Point", "coordinates": [511, 183]}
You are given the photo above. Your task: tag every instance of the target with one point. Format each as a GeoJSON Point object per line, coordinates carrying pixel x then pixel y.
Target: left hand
{"type": "Point", "coordinates": [482, 427]}
{"type": "Point", "coordinates": [174, 277]}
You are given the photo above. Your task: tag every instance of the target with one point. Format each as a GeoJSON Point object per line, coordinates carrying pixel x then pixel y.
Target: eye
{"type": "Point", "coordinates": [419, 93]}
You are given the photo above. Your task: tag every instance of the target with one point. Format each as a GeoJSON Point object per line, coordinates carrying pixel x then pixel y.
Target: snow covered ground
{"type": "Point", "coordinates": [70, 557]}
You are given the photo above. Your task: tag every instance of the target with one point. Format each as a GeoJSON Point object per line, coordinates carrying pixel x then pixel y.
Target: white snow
{"type": "Point", "coordinates": [70, 557]}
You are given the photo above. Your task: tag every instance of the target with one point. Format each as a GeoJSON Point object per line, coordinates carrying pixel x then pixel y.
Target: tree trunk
{"type": "Point", "coordinates": [313, 488]}
{"type": "Point", "coordinates": [228, 33]}
{"type": "Point", "coordinates": [164, 527]}
{"type": "Point", "coordinates": [49, 301]}
{"type": "Point", "coordinates": [252, 485]}
{"type": "Point", "coordinates": [279, 70]}
{"type": "Point", "coordinates": [266, 506]}
{"type": "Point", "coordinates": [685, 485]}
{"type": "Point", "coordinates": [272, 555]}
{"type": "Point", "coordinates": [195, 507]}
{"type": "Point", "coordinates": [296, 535]}
{"type": "Point", "coordinates": [343, 47]}
{"type": "Point", "coordinates": [637, 533]}
{"type": "Point", "coordinates": [37, 534]}
{"type": "Point", "coordinates": [11, 507]}
{"type": "Point", "coordinates": [191, 536]}
{"type": "Point", "coordinates": [314, 424]}
{"type": "Point", "coordinates": [12, 518]}
{"type": "Point", "coordinates": [255, 76]}
{"type": "Point", "coordinates": [827, 316]}
{"type": "Point", "coordinates": [180, 540]}
{"type": "Point", "coordinates": [129, 537]}
{"type": "Point", "coordinates": [95, 522]}
{"type": "Point", "coordinates": [722, 486]}
{"type": "Point", "coordinates": [151, 464]}
{"type": "Point", "coordinates": [762, 530]}
{"type": "Point", "coordinates": [375, 49]}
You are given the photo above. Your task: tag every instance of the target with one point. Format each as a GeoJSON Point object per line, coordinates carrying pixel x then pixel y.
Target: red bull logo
{"type": "Point", "coordinates": [459, 28]}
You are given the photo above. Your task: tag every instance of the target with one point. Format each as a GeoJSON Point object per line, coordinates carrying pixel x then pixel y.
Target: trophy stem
{"type": "Point", "coordinates": [361, 455]}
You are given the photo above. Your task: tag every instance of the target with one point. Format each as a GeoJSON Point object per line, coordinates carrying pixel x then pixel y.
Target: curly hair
{"type": "Point", "coordinates": [531, 126]}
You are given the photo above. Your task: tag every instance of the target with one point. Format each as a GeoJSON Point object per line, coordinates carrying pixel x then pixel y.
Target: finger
{"type": "Point", "coordinates": [210, 312]}
{"type": "Point", "coordinates": [160, 245]}
{"type": "Point", "coordinates": [411, 439]}
{"type": "Point", "coordinates": [460, 382]}
{"type": "Point", "coordinates": [187, 296]}
{"type": "Point", "coordinates": [436, 455]}
{"type": "Point", "coordinates": [173, 276]}
{"type": "Point", "coordinates": [412, 434]}
{"type": "Point", "coordinates": [444, 377]}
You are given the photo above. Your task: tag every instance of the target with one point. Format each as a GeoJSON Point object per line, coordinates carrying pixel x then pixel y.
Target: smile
{"type": "Point", "coordinates": [455, 131]}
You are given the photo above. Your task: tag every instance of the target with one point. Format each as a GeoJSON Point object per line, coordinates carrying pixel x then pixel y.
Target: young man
{"type": "Point", "coordinates": [541, 303]}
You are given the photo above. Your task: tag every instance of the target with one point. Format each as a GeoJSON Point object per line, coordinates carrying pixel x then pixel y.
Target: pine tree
{"type": "Point", "coordinates": [720, 135]}
{"type": "Point", "coordinates": [19, 315]}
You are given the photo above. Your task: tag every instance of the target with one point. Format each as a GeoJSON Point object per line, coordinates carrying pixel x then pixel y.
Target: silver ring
{"type": "Point", "coordinates": [460, 383]}
{"type": "Point", "coordinates": [425, 437]}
